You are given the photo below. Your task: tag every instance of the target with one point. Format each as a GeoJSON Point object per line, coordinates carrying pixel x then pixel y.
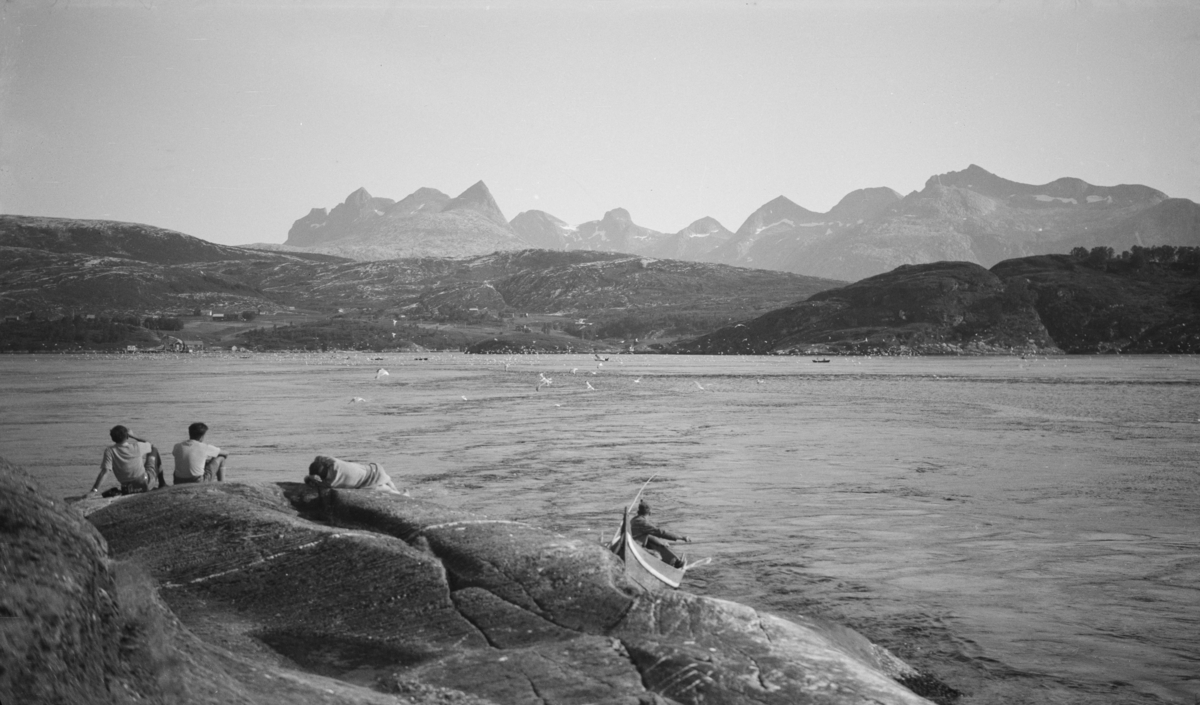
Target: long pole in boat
{"type": "Point", "coordinates": [632, 504]}
{"type": "Point", "coordinates": [638, 496]}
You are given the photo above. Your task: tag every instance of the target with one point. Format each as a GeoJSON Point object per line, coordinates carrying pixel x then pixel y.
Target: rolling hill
{"type": "Point", "coordinates": [1147, 302]}
{"type": "Point", "coordinates": [55, 267]}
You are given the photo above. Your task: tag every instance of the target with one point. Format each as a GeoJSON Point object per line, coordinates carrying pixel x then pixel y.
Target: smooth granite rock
{"type": "Point", "coordinates": [398, 600]}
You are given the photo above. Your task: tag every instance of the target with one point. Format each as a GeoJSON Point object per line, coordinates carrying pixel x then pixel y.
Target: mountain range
{"type": "Point", "coordinates": [1145, 300]}
{"type": "Point", "coordinates": [970, 215]}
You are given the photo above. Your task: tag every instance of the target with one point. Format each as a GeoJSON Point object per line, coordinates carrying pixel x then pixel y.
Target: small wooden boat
{"type": "Point", "coordinates": [824, 359]}
{"type": "Point", "coordinates": [641, 565]}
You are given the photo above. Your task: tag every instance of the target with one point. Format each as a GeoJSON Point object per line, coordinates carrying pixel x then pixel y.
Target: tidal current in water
{"type": "Point", "coordinates": [1028, 531]}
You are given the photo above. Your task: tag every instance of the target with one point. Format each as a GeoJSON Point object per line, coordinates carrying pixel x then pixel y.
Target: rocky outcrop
{"type": "Point", "coordinates": [272, 594]}
{"type": "Point", "coordinates": [80, 628]}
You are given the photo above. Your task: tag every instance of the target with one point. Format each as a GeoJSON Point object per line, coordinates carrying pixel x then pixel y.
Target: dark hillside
{"type": "Point", "coordinates": [1145, 302]}
{"type": "Point", "coordinates": [130, 270]}
{"type": "Point", "coordinates": [107, 238]}
{"type": "Point", "coordinates": [939, 308]}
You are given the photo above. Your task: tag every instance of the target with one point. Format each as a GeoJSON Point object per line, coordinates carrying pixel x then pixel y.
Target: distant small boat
{"type": "Point", "coordinates": [824, 359]}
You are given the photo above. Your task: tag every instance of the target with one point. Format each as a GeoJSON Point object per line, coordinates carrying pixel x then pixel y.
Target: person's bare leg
{"type": "Point", "coordinates": [214, 468]}
{"type": "Point", "coordinates": [154, 468]}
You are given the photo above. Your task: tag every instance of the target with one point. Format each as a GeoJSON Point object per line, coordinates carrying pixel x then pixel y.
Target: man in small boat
{"type": "Point", "coordinates": [326, 472]}
{"type": "Point", "coordinates": [653, 538]}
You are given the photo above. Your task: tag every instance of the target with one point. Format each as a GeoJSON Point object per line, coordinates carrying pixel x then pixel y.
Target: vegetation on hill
{"type": "Point", "coordinates": [57, 274]}
{"type": "Point", "coordinates": [1145, 300]}
{"type": "Point", "coordinates": [341, 334]}
{"type": "Point", "coordinates": [79, 333]}
{"type": "Point", "coordinates": [938, 308]}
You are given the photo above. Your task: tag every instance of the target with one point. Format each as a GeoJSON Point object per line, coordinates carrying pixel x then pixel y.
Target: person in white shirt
{"type": "Point", "coordinates": [197, 461]}
{"type": "Point", "coordinates": [329, 473]}
{"type": "Point", "coordinates": [132, 461]}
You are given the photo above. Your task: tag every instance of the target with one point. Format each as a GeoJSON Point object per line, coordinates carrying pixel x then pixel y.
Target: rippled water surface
{"type": "Point", "coordinates": [1027, 530]}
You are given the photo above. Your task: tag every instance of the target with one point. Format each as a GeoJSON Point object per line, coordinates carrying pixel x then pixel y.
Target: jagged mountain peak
{"type": "Point", "coordinates": [477, 193]}
{"type": "Point", "coordinates": [477, 198]}
{"type": "Point", "coordinates": [780, 201]}
{"type": "Point", "coordinates": [359, 196]}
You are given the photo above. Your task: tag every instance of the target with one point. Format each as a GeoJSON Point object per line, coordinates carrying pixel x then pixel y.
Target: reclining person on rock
{"type": "Point", "coordinates": [655, 539]}
{"type": "Point", "coordinates": [132, 461]}
{"type": "Point", "coordinates": [331, 473]}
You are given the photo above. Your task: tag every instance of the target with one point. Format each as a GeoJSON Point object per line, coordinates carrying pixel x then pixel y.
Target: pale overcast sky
{"type": "Point", "coordinates": [230, 120]}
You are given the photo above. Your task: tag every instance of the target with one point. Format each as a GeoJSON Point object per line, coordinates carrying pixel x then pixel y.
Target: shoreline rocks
{"type": "Point", "coordinates": [398, 600]}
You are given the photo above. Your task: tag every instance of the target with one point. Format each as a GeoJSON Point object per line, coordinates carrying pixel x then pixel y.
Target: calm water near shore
{"type": "Point", "coordinates": [1026, 530]}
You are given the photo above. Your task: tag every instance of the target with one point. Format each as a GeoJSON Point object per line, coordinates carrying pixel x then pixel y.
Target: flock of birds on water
{"type": "Point", "coordinates": [521, 361]}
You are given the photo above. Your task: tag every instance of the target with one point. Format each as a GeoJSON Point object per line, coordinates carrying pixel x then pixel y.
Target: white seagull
{"type": "Point", "coordinates": [699, 387]}
{"type": "Point", "coordinates": [589, 384]}
{"type": "Point", "coordinates": [381, 373]}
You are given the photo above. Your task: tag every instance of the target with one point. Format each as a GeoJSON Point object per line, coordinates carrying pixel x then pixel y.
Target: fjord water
{"type": "Point", "coordinates": [1026, 530]}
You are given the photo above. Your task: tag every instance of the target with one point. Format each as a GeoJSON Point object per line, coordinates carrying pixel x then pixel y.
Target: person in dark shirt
{"type": "Point", "coordinates": [655, 539]}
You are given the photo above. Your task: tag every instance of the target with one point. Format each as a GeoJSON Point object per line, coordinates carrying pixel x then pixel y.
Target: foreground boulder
{"type": "Point", "coordinates": [77, 626]}
{"type": "Point", "coordinates": [277, 594]}
{"type": "Point", "coordinates": [400, 595]}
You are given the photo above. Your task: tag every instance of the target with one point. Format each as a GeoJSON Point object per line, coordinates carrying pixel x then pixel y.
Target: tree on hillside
{"type": "Point", "coordinates": [1099, 257]}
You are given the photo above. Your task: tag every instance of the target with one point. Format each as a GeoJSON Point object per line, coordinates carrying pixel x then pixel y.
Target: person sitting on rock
{"type": "Point", "coordinates": [332, 473]}
{"type": "Point", "coordinates": [132, 461]}
{"type": "Point", "coordinates": [197, 461]}
{"type": "Point", "coordinates": [653, 538]}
